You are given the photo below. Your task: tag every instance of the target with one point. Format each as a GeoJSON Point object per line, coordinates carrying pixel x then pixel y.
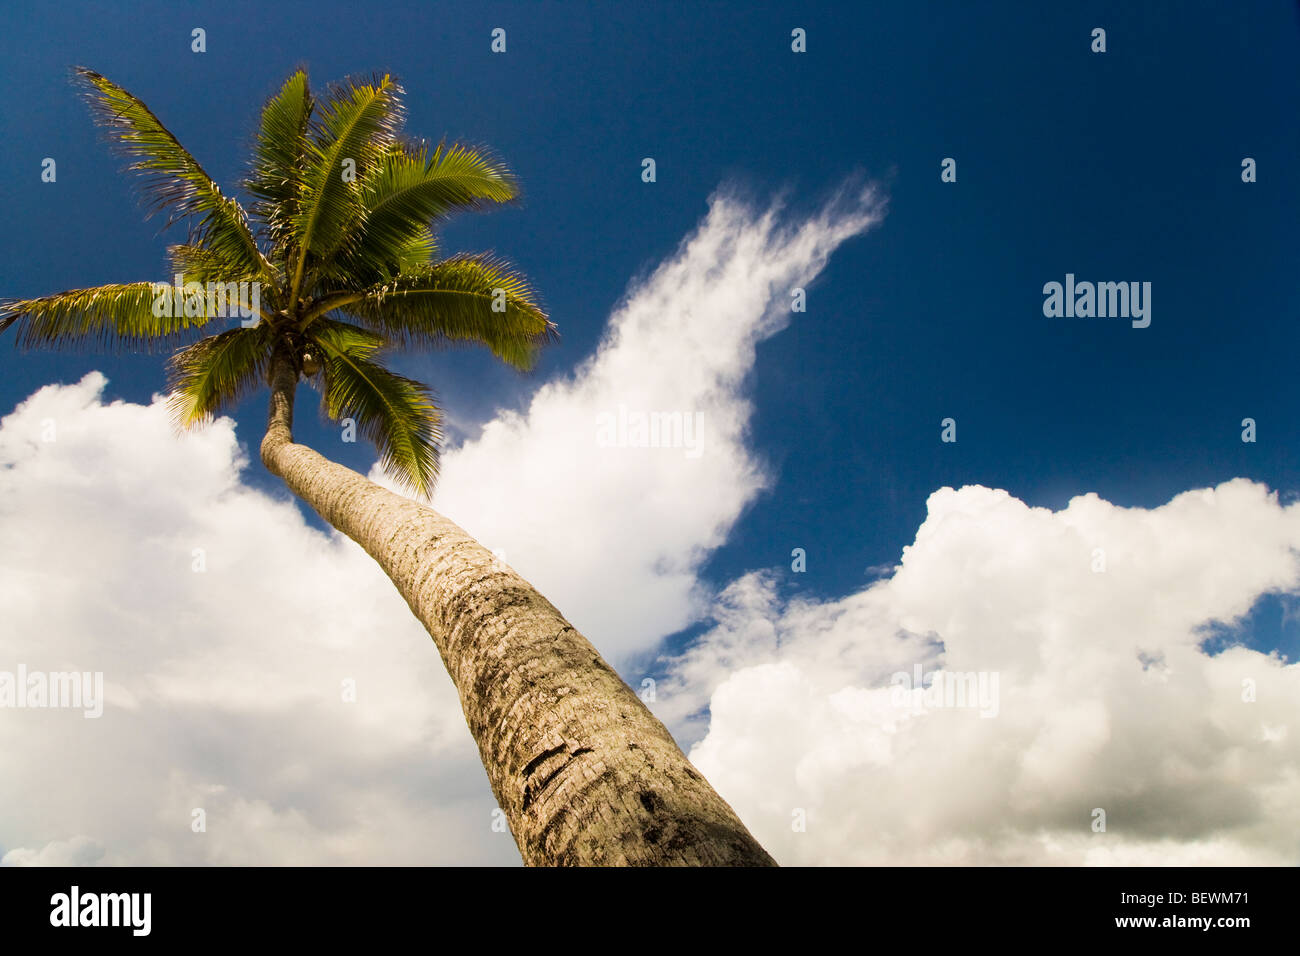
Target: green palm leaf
{"type": "Point", "coordinates": [461, 299]}
{"type": "Point", "coordinates": [120, 317]}
{"type": "Point", "coordinates": [173, 179]}
{"type": "Point", "coordinates": [216, 372]}
{"type": "Point", "coordinates": [203, 265]}
{"type": "Point", "coordinates": [345, 337]}
{"type": "Point", "coordinates": [406, 191]}
{"type": "Point", "coordinates": [395, 414]}
{"type": "Point", "coordinates": [358, 122]}
{"type": "Point", "coordinates": [279, 159]}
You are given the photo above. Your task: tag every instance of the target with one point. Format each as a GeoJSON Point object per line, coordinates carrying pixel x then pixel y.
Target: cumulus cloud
{"type": "Point", "coordinates": [225, 628]}
{"type": "Point", "coordinates": [1088, 622]}
{"type": "Point", "coordinates": [79, 851]}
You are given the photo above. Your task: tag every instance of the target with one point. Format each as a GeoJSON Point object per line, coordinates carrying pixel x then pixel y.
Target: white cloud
{"type": "Point", "coordinates": [224, 688]}
{"type": "Point", "coordinates": [1105, 698]}
{"type": "Point", "coordinates": [614, 535]}
{"type": "Point", "coordinates": [79, 851]}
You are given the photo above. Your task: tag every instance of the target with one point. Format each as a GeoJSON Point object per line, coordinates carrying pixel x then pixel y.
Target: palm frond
{"type": "Point", "coordinates": [409, 189]}
{"type": "Point", "coordinates": [203, 264]}
{"type": "Point", "coordinates": [279, 159]}
{"type": "Point", "coordinates": [358, 122]}
{"type": "Point", "coordinates": [173, 179]}
{"type": "Point", "coordinates": [413, 255]}
{"type": "Point", "coordinates": [457, 300]}
{"type": "Point", "coordinates": [343, 336]}
{"type": "Point", "coordinates": [121, 316]}
{"type": "Point", "coordinates": [215, 372]}
{"type": "Point", "coordinates": [394, 413]}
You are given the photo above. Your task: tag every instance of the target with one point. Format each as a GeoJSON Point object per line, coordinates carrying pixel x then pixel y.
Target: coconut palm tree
{"type": "Point", "coordinates": [338, 242]}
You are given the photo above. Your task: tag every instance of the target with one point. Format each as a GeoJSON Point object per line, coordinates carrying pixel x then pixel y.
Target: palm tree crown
{"type": "Point", "coordinates": [339, 241]}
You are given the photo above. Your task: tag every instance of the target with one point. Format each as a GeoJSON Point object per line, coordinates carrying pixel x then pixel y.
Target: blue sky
{"type": "Point", "coordinates": [1122, 166]}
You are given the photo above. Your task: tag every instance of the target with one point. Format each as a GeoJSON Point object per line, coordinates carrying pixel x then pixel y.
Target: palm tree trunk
{"type": "Point", "coordinates": [585, 774]}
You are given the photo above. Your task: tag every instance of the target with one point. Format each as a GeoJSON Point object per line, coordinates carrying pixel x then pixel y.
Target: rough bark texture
{"type": "Point", "coordinates": [585, 774]}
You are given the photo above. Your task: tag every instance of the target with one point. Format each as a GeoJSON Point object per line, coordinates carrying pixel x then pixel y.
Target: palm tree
{"type": "Point", "coordinates": [338, 242]}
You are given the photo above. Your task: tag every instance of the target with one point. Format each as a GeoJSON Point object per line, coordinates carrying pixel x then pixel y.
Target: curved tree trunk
{"type": "Point", "coordinates": [585, 774]}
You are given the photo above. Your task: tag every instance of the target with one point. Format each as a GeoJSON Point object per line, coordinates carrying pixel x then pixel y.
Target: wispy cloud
{"type": "Point", "coordinates": [615, 535]}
